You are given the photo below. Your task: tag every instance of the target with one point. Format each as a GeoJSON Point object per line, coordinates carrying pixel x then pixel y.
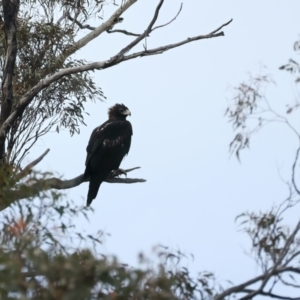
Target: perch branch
{"type": "Point", "coordinates": [32, 190]}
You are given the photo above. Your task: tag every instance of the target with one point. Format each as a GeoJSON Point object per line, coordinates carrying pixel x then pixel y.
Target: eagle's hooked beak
{"type": "Point", "coordinates": [127, 112]}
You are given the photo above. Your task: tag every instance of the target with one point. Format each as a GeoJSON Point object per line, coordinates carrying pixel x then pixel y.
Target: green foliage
{"type": "Point", "coordinates": [249, 110]}
{"type": "Point", "coordinates": [43, 257]}
{"type": "Point", "coordinates": [42, 43]}
{"type": "Point", "coordinates": [293, 66]}
{"type": "Point", "coordinates": [247, 101]}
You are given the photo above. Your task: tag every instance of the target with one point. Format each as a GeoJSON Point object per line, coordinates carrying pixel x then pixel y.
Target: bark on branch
{"type": "Point", "coordinates": [10, 12]}
{"type": "Point", "coordinates": [28, 190]}
{"type": "Point", "coordinates": [32, 190]}
{"type": "Point", "coordinates": [116, 59]}
{"type": "Point", "coordinates": [123, 31]}
{"type": "Point", "coordinates": [90, 36]}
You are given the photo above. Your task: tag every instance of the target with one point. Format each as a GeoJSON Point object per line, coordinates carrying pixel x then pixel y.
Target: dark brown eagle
{"type": "Point", "coordinates": [108, 145]}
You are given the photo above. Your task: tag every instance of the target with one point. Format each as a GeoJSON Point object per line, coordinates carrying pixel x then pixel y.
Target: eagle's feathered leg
{"type": "Point", "coordinates": [118, 172]}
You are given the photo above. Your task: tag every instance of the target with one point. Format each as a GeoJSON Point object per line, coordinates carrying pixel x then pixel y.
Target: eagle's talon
{"type": "Point", "coordinates": [118, 172]}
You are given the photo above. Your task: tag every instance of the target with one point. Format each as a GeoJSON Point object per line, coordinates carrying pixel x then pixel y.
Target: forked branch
{"type": "Point", "coordinates": [280, 267]}
{"type": "Point", "coordinates": [101, 65]}
{"type": "Point", "coordinates": [39, 185]}
{"type": "Point", "coordinates": [166, 24]}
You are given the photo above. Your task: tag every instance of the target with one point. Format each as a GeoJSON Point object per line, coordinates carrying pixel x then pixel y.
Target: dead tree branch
{"type": "Point", "coordinates": [89, 37]}
{"type": "Point", "coordinates": [142, 36]}
{"type": "Point", "coordinates": [80, 25]}
{"type": "Point", "coordinates": [271, 295]}
{"type": "Point", "coordinates": [123, 31]}
{"type": "Point", "coordinates": [41, 185]}
{"type": "Point", "coordinates": [118, 58]}
{"type": "Point", "coordinates": [222, 26]}
{"type": "Point", "coordinates": [166, 24]}
{"type": "Point", "coordinates": [277, 269]}
{"type": "Point", "coordinates": [294, 172]}
{"type": "Point", "coordinates": [137, 34]}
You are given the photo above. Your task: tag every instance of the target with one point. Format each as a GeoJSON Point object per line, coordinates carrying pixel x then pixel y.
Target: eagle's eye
{"type": "Point", "coordinates": [121, 110]}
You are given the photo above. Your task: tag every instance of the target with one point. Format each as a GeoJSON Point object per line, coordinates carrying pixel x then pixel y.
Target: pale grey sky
{"type": "Point", "coordinates": [194, 190]}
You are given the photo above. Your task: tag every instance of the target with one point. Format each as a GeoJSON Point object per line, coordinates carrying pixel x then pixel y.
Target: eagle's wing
{"type": "Point", "coordinates": [109, 134]}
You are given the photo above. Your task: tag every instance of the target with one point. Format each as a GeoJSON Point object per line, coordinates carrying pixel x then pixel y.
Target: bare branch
{"type": "Point", "coordinates": [286, 283]}
{"type": "Point", "coordinates": [171, 20]}
{"type": "Point", "coordinates": [294, 171]}
{"type": "Point", "coordinates": [275, 269]}
{"type": "Point", "coordinates": [29, 167]}
{"type": "Point", "coordinates": [219, 28]}
{"type": "Point", "coordinates": [80, 25]}
{"type": "Point", "coordinates": [162, 49]}
{"type": "Point", "coordinates": [239, 288]}
{"type": "Point", "coordinates": [271, 295]}
{"type": "Point", "coordinates": [143, 35]}
{"type": "Point", "coordinates": [89, 37]}
{"type": "Point", "coordinates": [60, 19]}
{"type": "Point", "coordinates": [287, 245]}
{"type": "Point", "coordinates": [242, 288]}
{"type": "Point", "coordinates": [123, 31]}
{"type": "Point", "coordinates": [118, 58]}
{"type": "Point", "coordinates": [125, 180]}
{"type": "Point", "coordinates": [27, 191]}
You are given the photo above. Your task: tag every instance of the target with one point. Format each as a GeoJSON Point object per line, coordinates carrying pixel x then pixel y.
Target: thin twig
{"type": "Point", "coordinates": [271, 295]}
{"type": "Point", "coordinates": [219, 28]}
{"type": "Point", "coordinates": [274, 270]}
{"type": "Point", "coordinates": [80, 25]}
{"type": "Point", "coordinates": [294, 171]}
{"type": "Point", "coordinates": [163, 25]}
{"type": "Point", "coordinates": [143, 35]}
{"type": "Point", "coordinates": [242, 287]}
{"type": "Point", "coordinates": [29, 167]}
{"type": "Point", "coordinates": [123, 31]}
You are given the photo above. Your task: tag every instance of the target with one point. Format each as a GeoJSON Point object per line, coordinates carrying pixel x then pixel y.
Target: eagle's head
{"type": "Point", "coordinates": [118, 112]}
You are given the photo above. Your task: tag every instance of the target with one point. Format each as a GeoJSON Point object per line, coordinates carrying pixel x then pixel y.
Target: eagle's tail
{"type": "Point", "coordinates": [94, 186]}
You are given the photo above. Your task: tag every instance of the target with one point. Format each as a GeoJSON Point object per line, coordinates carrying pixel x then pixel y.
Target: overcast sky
{"type": "Point", "coordinates": [194, 190]}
